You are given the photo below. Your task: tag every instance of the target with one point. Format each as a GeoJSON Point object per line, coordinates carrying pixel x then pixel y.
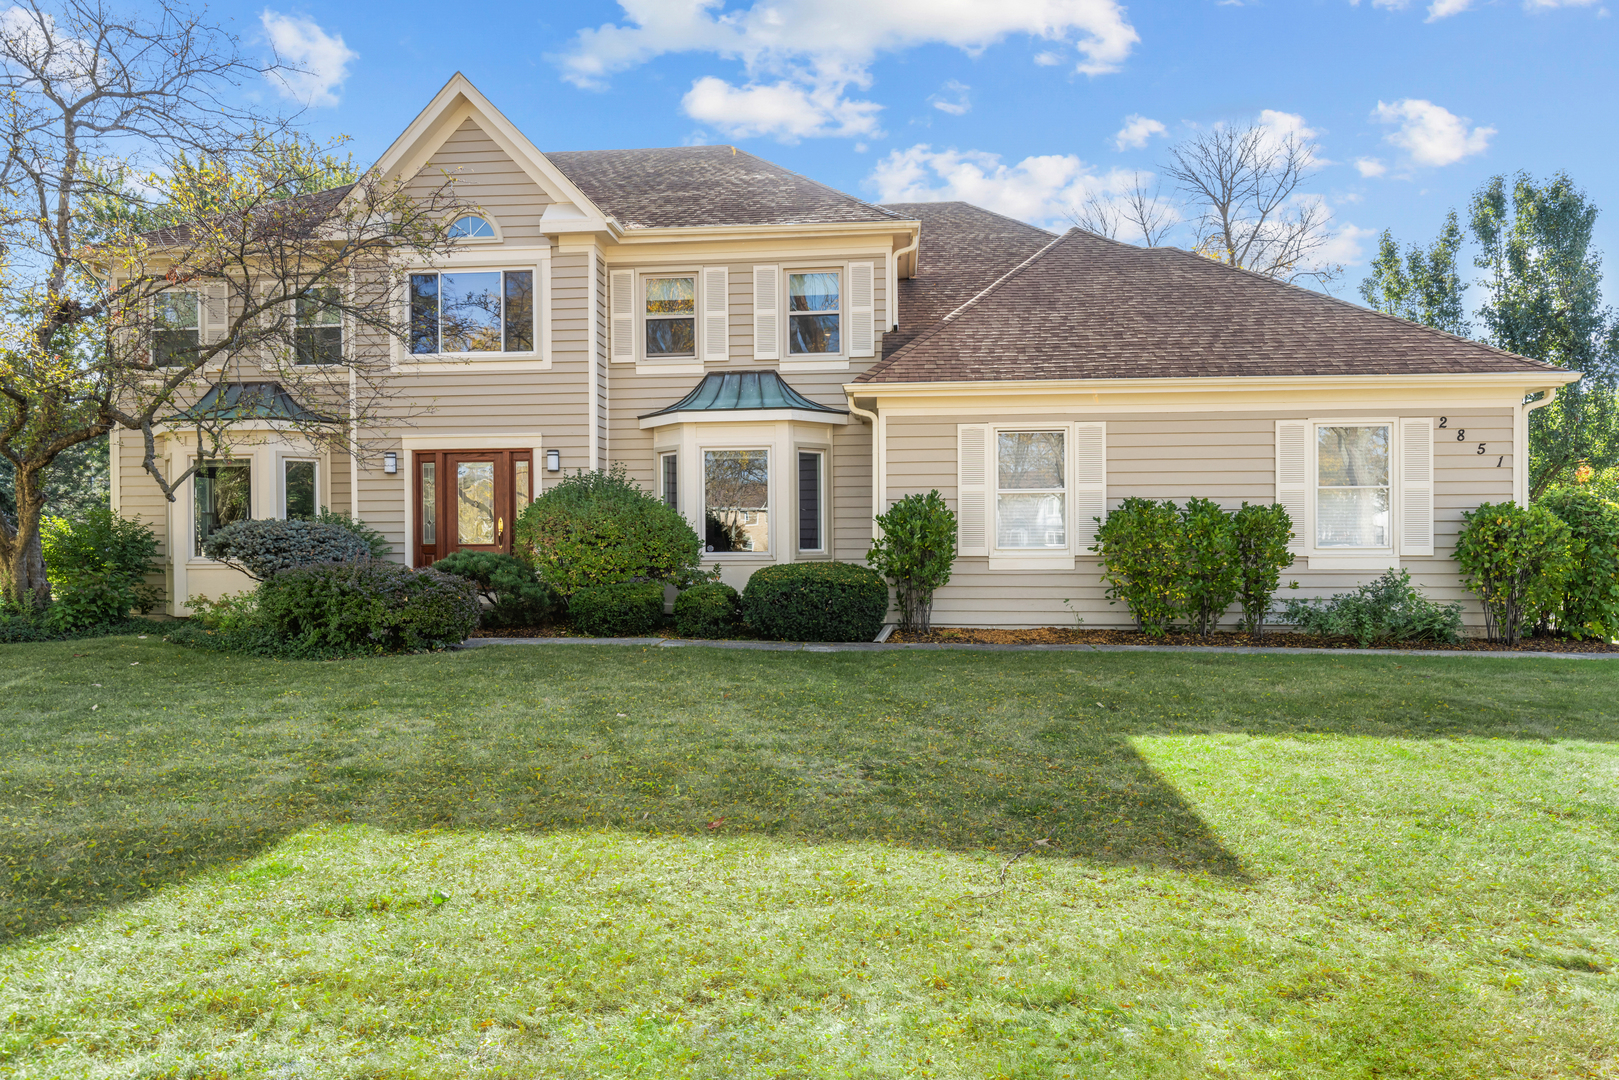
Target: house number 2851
{"type": "Point", "coordinates": [1461, 436]}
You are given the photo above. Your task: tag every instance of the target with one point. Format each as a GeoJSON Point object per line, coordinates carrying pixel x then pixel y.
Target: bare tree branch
{"type": "Point", "coordinates": [1137, 212]}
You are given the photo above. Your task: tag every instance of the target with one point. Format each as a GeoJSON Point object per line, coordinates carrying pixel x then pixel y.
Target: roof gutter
{"type": "Point", "coordinates": [1203, 383]}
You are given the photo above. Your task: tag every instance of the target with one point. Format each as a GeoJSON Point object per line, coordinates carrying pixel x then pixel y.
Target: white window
{"type": "Point", "coordinates": [472, 312]}
{"type": "Point", "coordinates": [223, 496]}
{"type": "Point", "coordinates": [669, 480]}
{"type": "Point", "coordinates": [318, 327]}
{"type": "Point", "coordinates": [736, 500]}
{"type": "Point", "coordinates": [671, 316]}
{"type": "Point", "coordinates": [1031, 490]}
{"type": "Point", "coordinates": [811, 491]}
{"type": "Point", "coordinates": [472, 227]}
{"type": "Point", "coordinates": [814, 313]}
{"type": "Point", "coordinates": [299, 498]}
{"type": "Point", "coordinates": [176, 327]}
{"type": "Point", "coordinates": [1353, 486]}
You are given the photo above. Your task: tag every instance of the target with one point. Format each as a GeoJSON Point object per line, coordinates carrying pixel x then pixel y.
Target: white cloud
{"type": "Point", "coordinates": [1345, 247]}
{"type": "Point", "coordinates": [957, 107]}
{"type": "Point", "coordinates": [1430, 133]}
{"type": "Point", "coordinates": [1040, 189]}
{"type": "Point", "coordinates": [1443, 9]}
{"type": "Point", "coordinates": [1136, 131]}
{"type": "Point", "coordinates": [787, 110]}
{"type": "Point", "coordinates": [824, 47]}
{"type": "Point", "coordinates": [318, 61]}
{"type": "Point", "coordinates": [36, 36]}
{"type": "Point", "coordinates": [1048, 58]}
{"type": "Point", "coordinates": [1370, 167]}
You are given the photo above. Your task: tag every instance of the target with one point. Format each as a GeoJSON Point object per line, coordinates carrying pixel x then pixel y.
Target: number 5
{"type": "Point", "coordinates": [1481, 449]}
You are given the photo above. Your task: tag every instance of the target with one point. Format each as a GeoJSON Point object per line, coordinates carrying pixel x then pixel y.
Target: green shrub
{"type": "Point", "coordinates": [1212, 574]}
{"type": "Point", "coordinates": [815, 601]}
{"type": "Point", "coordinates": [97, 565]}
{"type": "Point", "coordinates": [1261, 534]}
{"type": "Point", "coordinates": [38, 626]}
{"type": "Point", "coordinates": [1387, 610]}
{"type": "Point", "coordinates": [231, 612]}
{"type": "Point", "coordinates": [1589, 606]}
{"type": "Point", "coordinates": [709, 610]}
{"type": "Point", "coordinates": [618, 609]}
{"type": "Point", "coordinates": [515, 596]}
{"type": "Point", "coordinates": [1516, 560]}
{"type": "Point", "coordinates": [599, 528]}
{"type": "Point", "coordinates": [264, 547]}
{"type": "Point", "coordinates": [1143, 561]}
{"type": "Point", "coordinates": [915, 551]}
{"type": "Point", "coordinates": [368, 606]}
{"type": "Point", "coordinates": [380, 548]}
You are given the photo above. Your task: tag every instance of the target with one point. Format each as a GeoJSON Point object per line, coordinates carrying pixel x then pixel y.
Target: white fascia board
{"type": "Point", "coordinates": [1529, 382]}
{"type": "Point", "coordinates": [685, 233]}
{"type": "Point", "coordinates": [741, 416]}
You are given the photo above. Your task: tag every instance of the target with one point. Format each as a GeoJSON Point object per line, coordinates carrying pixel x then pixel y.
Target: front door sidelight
{"type": "Point", "coordinates": [468, 500]}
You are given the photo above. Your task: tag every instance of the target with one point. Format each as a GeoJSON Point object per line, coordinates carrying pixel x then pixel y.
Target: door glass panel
{"type": "Point", "coordinates": [429, 502]}
{"type": "Point", "coordinates": [475, 502]}
{"type": "Point", "coordinates": [522, 492]}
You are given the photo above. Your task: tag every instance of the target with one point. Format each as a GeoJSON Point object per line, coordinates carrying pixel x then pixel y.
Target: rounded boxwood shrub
{"type": "Point", "coordinates": [598, 528]}
{"type": "Point", "coordinates": [621, 609]}
{"type": "Point", "coordinates": [816, 601]}
{"type": "Point", "coordinates": [368, 607]}
{"type": "Point", "coordinates": [515, 596]}
{"type": "Point", "coordinates": [709, 610]}
{"type": "Point", "coordinates": [265, 547]}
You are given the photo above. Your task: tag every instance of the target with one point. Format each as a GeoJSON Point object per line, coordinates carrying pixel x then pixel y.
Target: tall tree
{"type": "Point", "coordinates": [111, 324]}
{"type": "Point", "coordinates": [1137, 212]}
{"type": "Point", "coordinates": [1425, 285]}
{"type": "Point", "coordinates": [1244, 185]}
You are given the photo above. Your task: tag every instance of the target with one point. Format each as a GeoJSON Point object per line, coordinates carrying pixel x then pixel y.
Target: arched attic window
{"type": "Point", "coordinates": [472, 227]}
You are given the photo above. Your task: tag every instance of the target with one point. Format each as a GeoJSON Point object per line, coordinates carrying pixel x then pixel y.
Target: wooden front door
{"type": "Point", "coordinates": [468, 500]}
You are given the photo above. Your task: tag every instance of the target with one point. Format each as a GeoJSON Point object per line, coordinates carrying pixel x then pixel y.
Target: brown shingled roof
{"type": "Point", "coordinates": [686, 186]}
{"type": "Point", "coordinates": [1092, 308]}
{"type": "Point", "coordinates": [964, 250]}
{"type": "Point", "coordinates": [304, 213]}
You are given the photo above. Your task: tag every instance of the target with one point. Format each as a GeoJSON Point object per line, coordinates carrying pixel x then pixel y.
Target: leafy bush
{"type": "Point", "coordinates": [709, 610]}
{"type": "Point", "coordinates": [265, 547]}
{"type": "Point", "coordinates": [369, 606]}
{"type": "Point", "coordinates": [599, 528]}
{"type": "Point", "coordinates": [816, 601]}
{"type": "Point", "coordinates": [1143, 561]}
{"type": "Point", "coordinates": [18, 626]}
{"type": "Point", "coordinates": [1516, 560]}
{"type": "Point", "coordinates": [231, 612]}
{"type": "Point", "coordinates": [1387, 610]}
{"type": "Point", "coordinates": [618, 609]}
{"type": "Point", "coordinates": [515, 596]}
{"type": "Point", "coordinates": [915, 552]}
{"type": "Point", "coordinates": [380, 548]}
{"type": "Point", "coordinates": [1212, 573]}
{"type": "Point", "coordinates": [97, 565]}
{"type": "Point", "coordinates": [1261, 534]}
{"type": "Point", "coordinates": [1589, 606]}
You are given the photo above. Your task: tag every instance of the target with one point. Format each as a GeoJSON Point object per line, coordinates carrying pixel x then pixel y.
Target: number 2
{"type": "Point", "coordinates": [1444, 421]}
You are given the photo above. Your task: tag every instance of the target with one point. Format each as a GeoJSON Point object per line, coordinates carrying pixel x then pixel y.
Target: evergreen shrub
{"type": "Point", "coordinates": [709, 610]}
{"type": "Point", "coordinates": [815, 601]}
{"type": "Point", "coordinates": [618, 609]}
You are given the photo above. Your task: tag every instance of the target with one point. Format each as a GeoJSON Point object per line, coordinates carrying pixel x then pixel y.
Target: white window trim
{"type": "Point", "coordinates": [659, 487]}
{"type": "Point", "coordinates": [1348, 558]}
{"type": "Point", "coordinates": [255, 499]}
{"type": "Point", "coordinates": [1030, 558]}
{"type": "Point", "coordinates": [791, 361]}
{"type": "Point", "coordinates": [494, 226]}
{"type": "Point", "coordinates": [683, 365]}
{"type": "Point", "coordinates": [825, 482]}
{"type": "Point", "coordinates": [343, 339]}
{"type": "Point", "coordinates": [772, 494]}
{"type": "Point", "coordinates": [538, 359]}
{"type": "Point", "coordinates": [281, 481]}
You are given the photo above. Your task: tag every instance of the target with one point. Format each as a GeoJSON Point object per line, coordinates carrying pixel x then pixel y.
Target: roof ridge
{"type": "Point", "coordinates": [939, 327]}
{"type": "Point", "coordinates": [819, 184]}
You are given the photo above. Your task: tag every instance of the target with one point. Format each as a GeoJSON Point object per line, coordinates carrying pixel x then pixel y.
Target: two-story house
{"type": "Point", "coordinates": [781, 361]}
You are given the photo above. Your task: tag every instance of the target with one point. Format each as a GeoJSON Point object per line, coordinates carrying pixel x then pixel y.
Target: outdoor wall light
{"type": "Point", "coordinates": [390, 462]}
{"type": "Point", "coordinates": [553, 461]}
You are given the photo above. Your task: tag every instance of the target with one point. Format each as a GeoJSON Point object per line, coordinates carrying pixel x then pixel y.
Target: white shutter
{"type": "Point", "coordinates": [213, 312]}
{"type": "Point", "coordinates": [861, 315]}
{"type": "Point", "coordinates": [972, 489]}
{"type": "Point", "coordinates": [1293, 478]}
{"type": "Point", "coordinates": [1416, 485]}
{"type": "Point", "coordinates": [1088, 488]}
{"type": "Point", "coordinates": [766, 314]}
{"type": "Point", "coordinates": [622, 309]}
{"type": "Point", "coordinates": [716, 313]}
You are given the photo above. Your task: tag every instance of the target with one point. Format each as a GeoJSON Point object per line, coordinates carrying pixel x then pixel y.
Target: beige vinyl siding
{"type": "Point", "coordinates": [1176, 456]}
{"type": "Point", "coordinates": [851, 492]}
{"type": "Point", "coordinates": [339, 482]}
{"type": "Point", "coordinates": [486, 176]}
{"type": "Point", "coordinates": [140, 498]}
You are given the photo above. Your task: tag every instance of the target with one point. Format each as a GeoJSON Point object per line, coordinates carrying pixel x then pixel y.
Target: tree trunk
{"type": "Point", "coordinates": [22, 561]}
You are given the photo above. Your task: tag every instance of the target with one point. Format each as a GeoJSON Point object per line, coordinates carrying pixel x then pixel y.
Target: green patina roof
{"type": "Point", "coordinates": [249, 401]}
{"type": "Point", "coordinates": [732, 391]}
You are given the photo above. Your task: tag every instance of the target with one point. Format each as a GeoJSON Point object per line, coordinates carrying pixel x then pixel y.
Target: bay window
{"type": "Point", "coordinates": [736, 500]}
{"type": "Point", "coordinates": [472, 312]}
{"type": "Point", "coordinates": [298, 493]}
{"type": "Point", "coordinates": [223, 495]}
{"type": "Point", "coordinates": [1031, 510]}
{"type": "Point", "coordinates": [811, 526]}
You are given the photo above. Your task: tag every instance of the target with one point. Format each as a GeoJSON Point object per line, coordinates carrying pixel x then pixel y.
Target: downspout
{"type": "Point", "coordinates": [870, 417]}
{"type": "Point", "coordinates": [1523, 414]}
{"type": "Point", "coordinates": [893, 282]}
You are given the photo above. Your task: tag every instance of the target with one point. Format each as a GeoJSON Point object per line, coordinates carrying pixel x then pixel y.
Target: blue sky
{"type": "Point", "coordinates": [1020, 105]}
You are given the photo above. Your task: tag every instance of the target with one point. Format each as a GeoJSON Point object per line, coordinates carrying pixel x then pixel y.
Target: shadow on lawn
{"type": "Point", "coordinates": [960, 751]}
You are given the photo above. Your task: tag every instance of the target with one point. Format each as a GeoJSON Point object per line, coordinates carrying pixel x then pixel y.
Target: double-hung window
{"type": "Point", "coordinates": [671, 317]}
{"type": "Point", "coordinates": [1353, 486]}
{"type": "Point", "coordinates": [813, 313]}
{"type": "Point", "coordinates": [176, 327]}
{"type": "Point", "coordinates": [736, 500]}
{"type": "Point", "coordinates": [318, 327]}
{"type": "Point", "coordinates": [223, 493]}
{"type": "Point", "coordinates": [1031, 494]}
{"type": "Point", "coordinates": [483, 311]}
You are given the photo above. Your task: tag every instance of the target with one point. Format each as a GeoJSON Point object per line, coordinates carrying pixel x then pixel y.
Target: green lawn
{"type": "Point", "coordinates": [500, 863]}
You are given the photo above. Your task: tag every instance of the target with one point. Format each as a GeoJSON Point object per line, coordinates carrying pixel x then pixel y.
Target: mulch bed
{"type": "Point", "coordinates": [1057, 635]}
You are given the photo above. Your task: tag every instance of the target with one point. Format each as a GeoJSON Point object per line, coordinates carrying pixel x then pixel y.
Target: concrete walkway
{"type": "Point", "coordinates": [872, 646]}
